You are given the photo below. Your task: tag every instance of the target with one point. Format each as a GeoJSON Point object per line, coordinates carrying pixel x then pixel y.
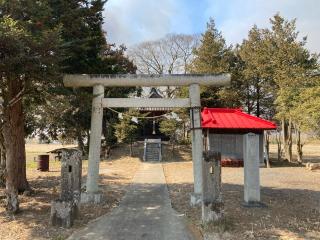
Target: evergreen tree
{"type": "Point", "coordinates": [276, 70]}
{"type": "Point", "coordinates": [213, 56]}
{"type": "Point", "coordinates": [258, 84]}
{"type": "Point", "coordinates": [29, 52]}
{"type": "Point", "coordinates": [170, 128]}
{"type": "Point", "coordinates": [126, 130]}
{"type": "Point", "coordinates": [85, 51]}
{"type": "Point", "coordinates": [291, 64]}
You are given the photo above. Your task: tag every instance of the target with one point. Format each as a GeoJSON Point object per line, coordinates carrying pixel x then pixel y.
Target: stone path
{"type": "Point", "coordinates": [145, 213]}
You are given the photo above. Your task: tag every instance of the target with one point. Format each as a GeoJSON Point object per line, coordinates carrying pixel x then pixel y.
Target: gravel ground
{"type": "Point", "coordinates": [292, 196]}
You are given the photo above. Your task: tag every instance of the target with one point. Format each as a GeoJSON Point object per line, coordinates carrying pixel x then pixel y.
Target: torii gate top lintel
{"type": "Point", "coordinates": [145, 80]}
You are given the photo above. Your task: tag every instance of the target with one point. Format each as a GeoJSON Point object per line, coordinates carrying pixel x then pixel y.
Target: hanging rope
{"type": "Point", "coordinates": [139, 117]}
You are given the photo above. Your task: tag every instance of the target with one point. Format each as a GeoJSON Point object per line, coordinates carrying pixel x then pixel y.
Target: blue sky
{"type": "Point", "coordinates": [133, 21]}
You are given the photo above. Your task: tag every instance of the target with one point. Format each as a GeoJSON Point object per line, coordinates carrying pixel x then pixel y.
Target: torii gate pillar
{"type": "Point", "coordinates": [197, 143]}
{"type": "Point", "coordinates": [92, 187]}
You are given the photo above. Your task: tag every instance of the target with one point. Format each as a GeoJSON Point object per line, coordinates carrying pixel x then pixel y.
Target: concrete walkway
{"type": "Point", "coordinates": [144, 213]}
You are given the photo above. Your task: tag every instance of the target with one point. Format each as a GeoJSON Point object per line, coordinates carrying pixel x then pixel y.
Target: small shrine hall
{"type": "Point", "coordinates": [224, 130]}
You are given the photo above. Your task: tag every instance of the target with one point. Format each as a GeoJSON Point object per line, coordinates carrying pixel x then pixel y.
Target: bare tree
{"type": "Point", "coordinates": [169, 55]}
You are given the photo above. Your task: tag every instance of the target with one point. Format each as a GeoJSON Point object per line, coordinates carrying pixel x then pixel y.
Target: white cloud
{"type": "Point", "coordinates": [239, 16]}
{"type": "Point", "coordinates": [133, 21]}
{"type": "Point", "coordinates": [128, 21]}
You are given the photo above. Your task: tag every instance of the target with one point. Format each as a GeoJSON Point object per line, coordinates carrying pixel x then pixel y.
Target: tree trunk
{"type": "Point", "coordinates": [172, 147]}
{"type": "Point", "coordinates": [13, 133]}
{"type": "Point", "coordinates": [299, 146]}
{"type": "Point", "coordinates": [289, 149]}
{"type": "Point", "coordinates": [278, 139]}
{"type": "Point", "coordinates": [267, 148]}
{"type": "Point", "coordinates": [258, 101]}
{"type": "Point", "coordinates": [2, 162]}
{"type": "Point", "coordinates": [88, 141]}
{"type": "Point", "coordinates": [284, 136]}
{"type": "Point", "coordinates": [131, 150]}
{"type": "Point", "coordinates": [81, 145]}
{"type": "Point", "coordinates": [287, 139]}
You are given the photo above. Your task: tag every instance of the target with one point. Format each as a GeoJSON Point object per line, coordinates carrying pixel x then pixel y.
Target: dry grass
{"type": "Point", "coordinates": [311, 152]}
{"type": "Point", "coordinates": [292, 196]}
{"type": "Point", "coordinates": [33, 220]}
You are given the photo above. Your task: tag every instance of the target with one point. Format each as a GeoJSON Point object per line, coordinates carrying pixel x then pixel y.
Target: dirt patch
{"type": "Point", "coordinates": [292, 196]}
{"type": "Point", "coordinates": [33, 220]}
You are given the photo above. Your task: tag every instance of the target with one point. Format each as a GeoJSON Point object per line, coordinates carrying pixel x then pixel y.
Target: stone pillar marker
{"type": "Point", "coordinates": [92, 190]}
{"type": "Point", "coordinates": [197, 143]}
{"type": "Point", "coordinates": [212, 206]}
{"type": "Point", "coordinates": [71, 172]}
{"type": "Point", "coordinates": [251, 169]}
{"type": "Point", "coordinates": [65, 209]}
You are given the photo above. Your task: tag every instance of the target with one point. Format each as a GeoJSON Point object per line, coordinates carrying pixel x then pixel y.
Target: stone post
{"type": "Point", "coordinates": [212, 206]}
{"type": "Point", "coordinates": [71, 171]}
{"type": "Point", "coordinates": [197, 143]}
{"type": "Point", "coordinates": [251, 160]}
{"type": "Point", "coordinates": [92, 190]}
{"type": "Point", "coordinates": [65, 209]}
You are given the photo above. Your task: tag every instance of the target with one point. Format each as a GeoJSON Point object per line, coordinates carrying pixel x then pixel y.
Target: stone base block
{"type": "Point", "coordinates": [93, 198]}
{"type": "Point", "coordinates": [63, 213]}
{"type": "Point", "coordinates": [212, 212]}
{"type": "Point", "coordinates": [195, 199]}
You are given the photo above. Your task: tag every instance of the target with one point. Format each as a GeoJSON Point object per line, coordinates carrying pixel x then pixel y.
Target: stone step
{"type": "Point", "coordinates": [152, 151]}
{"type": "Point", "coordinates": [153, 156]}
{"type": "Point", "coordinates": [152, 159]}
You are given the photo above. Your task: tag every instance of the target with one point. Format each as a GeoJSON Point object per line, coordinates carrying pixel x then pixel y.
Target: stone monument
{"type": "Point", "coordinates": [65, 209]}
{"type": "Point", "coordinates": [212, 202]}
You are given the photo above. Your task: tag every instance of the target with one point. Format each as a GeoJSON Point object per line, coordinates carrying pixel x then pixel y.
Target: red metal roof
{"type": "Point", "coordinates": [226, 118]}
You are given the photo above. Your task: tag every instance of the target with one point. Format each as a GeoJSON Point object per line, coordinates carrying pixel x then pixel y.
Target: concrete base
{"type": "Point", "coordinates": [93, 198]}
{"type": "Point", "coordinates": [195, 199]}
{"type": "Point", "coordinates": [63, 213]}
{"type": "Point", "coordinates": [254, 204]}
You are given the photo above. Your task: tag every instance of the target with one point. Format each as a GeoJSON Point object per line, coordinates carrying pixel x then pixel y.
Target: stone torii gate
{"type": "Point", "coordinates": [99, 82]}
